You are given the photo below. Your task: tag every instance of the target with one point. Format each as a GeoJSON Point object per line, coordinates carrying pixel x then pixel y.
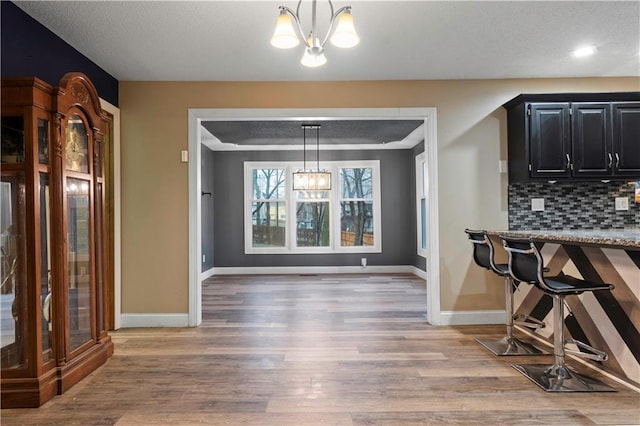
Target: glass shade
{"type": "Point", "coordinates": [284, 37]}
{"type": "Point", "coordinates": [311, 181]}
{"type": "Point", "coordinates": [345, 35]}
{"type": "Point", "coordinates": [313, 59]}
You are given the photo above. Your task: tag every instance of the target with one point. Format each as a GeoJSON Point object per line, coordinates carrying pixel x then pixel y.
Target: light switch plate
{"type": "Point", "coordinates": [184, 156]}
{"type": "Point", "coordinates": [622, 203]}
{"type": "Point", "coordinates": [537, 204]}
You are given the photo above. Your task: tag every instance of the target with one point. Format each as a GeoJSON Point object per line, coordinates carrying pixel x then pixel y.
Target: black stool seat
{"type": "Point", "coordinates": [527, 265]}
{"type": "Point", "coordinates": [566, 284]}
{"type": "Point", "coordinates": [483, 255]}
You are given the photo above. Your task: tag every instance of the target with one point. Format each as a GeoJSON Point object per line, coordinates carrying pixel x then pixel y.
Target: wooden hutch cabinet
{"type": "Point", "coordinates": [52, 240]}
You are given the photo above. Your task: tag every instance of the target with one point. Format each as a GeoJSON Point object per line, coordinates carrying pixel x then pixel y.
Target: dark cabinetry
{"type": "Point", "coordinates": [574, 136]}
{"type": "Point", "coordinates": [626, 138]}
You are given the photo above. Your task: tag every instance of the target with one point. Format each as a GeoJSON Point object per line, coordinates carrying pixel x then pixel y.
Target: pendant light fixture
{"type": "Point", "coordinates": [286, 37]}
{"type": "Point", "coordinates": [307, 179]}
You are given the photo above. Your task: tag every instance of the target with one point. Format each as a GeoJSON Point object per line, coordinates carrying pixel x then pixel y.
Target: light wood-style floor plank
{"type": "Point", "coordinates": [317, 350]}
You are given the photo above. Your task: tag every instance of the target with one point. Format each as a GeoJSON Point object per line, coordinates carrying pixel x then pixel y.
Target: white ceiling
{"type": "Point", "coordinates": [400, 40]}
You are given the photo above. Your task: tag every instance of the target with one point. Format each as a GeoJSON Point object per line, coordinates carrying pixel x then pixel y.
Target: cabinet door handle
{"type": "Point", "coordinates": [568, 161]}
{"type": "Point", "coordinates": [610, 161]}
{"type": "Point", "coordinates": [617, 160]}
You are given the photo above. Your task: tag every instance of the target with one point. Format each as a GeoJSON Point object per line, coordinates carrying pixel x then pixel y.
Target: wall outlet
{"type": "Point", "coordinates": [184, 156]}
{"type": "Point", "coordinates": [363, 262]}
{"type": "Point", "coordinates": [622, 203]}
{"type": "Point", "coordinates": [502, 166]}
{"type": "Point", "coordinates": [537, 204]}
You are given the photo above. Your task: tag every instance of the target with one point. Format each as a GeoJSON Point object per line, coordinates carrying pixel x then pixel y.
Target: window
{"type": "Point", "coordinates": [268, 208]}
{"type": "Point", "coordinates": [421, 202]}
{"type": "Point", "coordinates": [344, 219]}
{"type": "Point", "coordinates": [356, 207]}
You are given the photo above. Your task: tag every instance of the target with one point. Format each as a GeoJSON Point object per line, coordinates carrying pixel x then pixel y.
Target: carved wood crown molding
{"type": "Point", "coordinates": [80, 93]}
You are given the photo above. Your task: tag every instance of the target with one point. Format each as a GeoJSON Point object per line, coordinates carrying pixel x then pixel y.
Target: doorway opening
{"type": "Point", "coordinates": [198, 116]}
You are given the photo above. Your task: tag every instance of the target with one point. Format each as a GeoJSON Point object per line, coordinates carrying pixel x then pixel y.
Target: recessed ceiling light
{"type": "Point", "coordinates": [584, 51]}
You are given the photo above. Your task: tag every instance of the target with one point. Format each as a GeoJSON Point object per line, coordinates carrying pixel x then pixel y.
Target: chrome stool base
{"type": "Point", "coordinates": [510, 346]}
{"type": "Point", "coordinates": [554, 378]}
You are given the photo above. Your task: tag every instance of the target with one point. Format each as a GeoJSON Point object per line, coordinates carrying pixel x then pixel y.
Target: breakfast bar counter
{"type": "Point", "coordinates": [614, 238]}
{"type": "Point", "coordinates": [608, 320]}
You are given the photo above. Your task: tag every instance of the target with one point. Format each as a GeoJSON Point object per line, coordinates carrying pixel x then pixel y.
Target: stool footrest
{"type": "Point", "coordinates": [528, 321]}
{"type": "Point", "coordinates": [559, 378]}
{"type": "Point", "coordinates": [593, 353]}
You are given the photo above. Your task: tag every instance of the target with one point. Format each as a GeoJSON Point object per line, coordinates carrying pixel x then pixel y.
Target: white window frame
{"type": "Point", "coordinates": [334, 208]}
{"type": "Point", "coordinates": [421, 193]}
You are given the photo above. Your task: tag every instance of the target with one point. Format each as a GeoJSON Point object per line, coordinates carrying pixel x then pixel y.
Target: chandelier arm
{"type": "Point", "coordinates": [334, 16]}
{"type": "Point", "coordinates": [313, 22]}
{"type": "Point", "coordinates": [298, 26]}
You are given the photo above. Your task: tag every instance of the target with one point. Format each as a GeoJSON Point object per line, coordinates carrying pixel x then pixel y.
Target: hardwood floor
{"type": "Point", "coordinates": [317, 350]}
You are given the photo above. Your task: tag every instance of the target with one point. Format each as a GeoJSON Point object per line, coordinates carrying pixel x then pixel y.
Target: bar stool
{"type": "Point", "coordinates": [483, 254]}
{"type": "Point", "coordinates": [526, 265]}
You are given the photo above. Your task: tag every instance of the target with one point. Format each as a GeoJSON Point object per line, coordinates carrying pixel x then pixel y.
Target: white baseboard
{"type": "Point", "coordinates": [293, 270]}
{"type": "Point", "coordinates": [208, 273]}
{"type": "Point", "coordinates": [419, 273]}
{"type": "Point", "coordinates": [154, 320]}
{"type": "Point", "coordinates": [472, 317]}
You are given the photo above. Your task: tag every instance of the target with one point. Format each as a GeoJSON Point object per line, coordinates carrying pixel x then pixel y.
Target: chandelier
{"type": "Point", "coordinates": [286, 37]}
{"type": "Point", "coordinates": [309, 180]}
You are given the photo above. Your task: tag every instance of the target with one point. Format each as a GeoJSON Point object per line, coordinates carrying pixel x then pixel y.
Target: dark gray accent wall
{"type": "Point", "coordinates": [572, 205]}
{"type": "Point", "coordinates": [206, 206]}
{"type": "Point", "coordinates": [29, 49]}
{"type": "Point", "coordinates": [397, 209]}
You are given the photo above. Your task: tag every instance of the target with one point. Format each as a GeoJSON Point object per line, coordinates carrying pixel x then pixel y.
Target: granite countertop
{"type": "Point", "coordinates": [619, 238]}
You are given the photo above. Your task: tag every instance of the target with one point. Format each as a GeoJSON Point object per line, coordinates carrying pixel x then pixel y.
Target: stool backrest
{"type": "Point", "coordinates": [525, 261]}
{"type": "Point", "coordinates": [483, 251]}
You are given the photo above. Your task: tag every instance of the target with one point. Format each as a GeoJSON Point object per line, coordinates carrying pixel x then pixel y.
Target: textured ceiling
{"type": "Point", "coordinates": [352, 132]}
{"type": "Point", "coordinates": [400, 40]}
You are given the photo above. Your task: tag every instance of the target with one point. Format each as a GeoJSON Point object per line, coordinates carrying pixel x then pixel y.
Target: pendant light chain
{"type": "Point", "coordinates": [318, 148]}
{"type": "Point", "coordinates": [304, 149]}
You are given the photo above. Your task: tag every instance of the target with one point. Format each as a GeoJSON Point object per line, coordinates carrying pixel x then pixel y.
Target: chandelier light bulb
{"type": "Point", "coordinates": [345, 35]}
{"type": "Point", "coordinates": [313, 57]}
{"type": "Point", "coordinates": [284, 37]}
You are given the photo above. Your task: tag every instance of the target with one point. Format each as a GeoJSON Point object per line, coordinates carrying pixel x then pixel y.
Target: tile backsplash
{"type": "Point", "coordinates": [572, 205]}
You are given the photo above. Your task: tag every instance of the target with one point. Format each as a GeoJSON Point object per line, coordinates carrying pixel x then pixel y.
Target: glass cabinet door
{"type": "Point", "coordinates": [79, 261]}
{"type": "Point", "coordinates": [13, 292]}
{"type": "Point", "coordinates": [45, 268]}
{"type": "Point", "coordinates": [12, 146]}
{"type": "Point", "coordinates": [79, 232]}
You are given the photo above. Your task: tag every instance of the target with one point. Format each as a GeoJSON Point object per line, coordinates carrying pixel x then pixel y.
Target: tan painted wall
{"type": "Point", "coordinates": [471, 139]}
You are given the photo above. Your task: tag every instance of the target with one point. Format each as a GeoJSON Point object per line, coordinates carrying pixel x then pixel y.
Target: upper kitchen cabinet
{"type": "Point", "coordinates": [626, 139]}
{"type": "Point", "coordinates": [574, 136]}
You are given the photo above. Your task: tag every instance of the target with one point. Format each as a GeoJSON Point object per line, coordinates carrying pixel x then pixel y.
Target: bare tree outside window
{"type": "Point", "coordinates": [356, 207]}
{"type": "Point", "coordinates": [268, 210]}
{"type": "Point", "coordinates": [313, 224]}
